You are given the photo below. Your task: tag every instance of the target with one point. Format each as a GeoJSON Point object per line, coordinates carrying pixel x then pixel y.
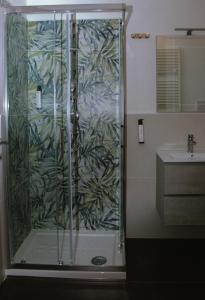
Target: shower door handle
{"type": "Point", "coordinates": [3, 142]}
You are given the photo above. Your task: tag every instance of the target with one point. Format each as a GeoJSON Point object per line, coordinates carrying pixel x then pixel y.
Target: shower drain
{"type": "Point", "coordinates": [99, 260]}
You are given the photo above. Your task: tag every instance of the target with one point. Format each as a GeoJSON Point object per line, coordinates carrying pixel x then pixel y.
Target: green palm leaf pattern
{"type": "Point", "coordinates": [99, 149]}
{"type": "Point", "coordinates": [18, 133]}
{"type": "Point", "coordinates": [43, 134]}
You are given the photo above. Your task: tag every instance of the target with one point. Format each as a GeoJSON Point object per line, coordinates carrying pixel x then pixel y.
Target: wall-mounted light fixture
{"type": "Point", "coordinates": [189, 30]}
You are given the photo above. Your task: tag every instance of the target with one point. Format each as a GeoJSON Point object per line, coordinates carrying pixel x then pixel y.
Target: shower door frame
{"type": "Point", "coordinates": [74, 9]}
{"type": "Point", "coordinates": [4, 229]}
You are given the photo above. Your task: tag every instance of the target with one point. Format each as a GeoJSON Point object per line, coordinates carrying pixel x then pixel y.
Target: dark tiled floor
{"type": "Point", "coordinates": [61, 289]}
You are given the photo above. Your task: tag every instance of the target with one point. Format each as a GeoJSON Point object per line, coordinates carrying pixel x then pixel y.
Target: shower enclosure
{"type": "Point", "coordinates": [65, 123]}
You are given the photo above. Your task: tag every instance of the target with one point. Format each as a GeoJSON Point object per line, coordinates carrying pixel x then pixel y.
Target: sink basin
{"type": "Point", "coordinates": [181, 156]}
{"type": "Point", "coordinates": [188, 156]}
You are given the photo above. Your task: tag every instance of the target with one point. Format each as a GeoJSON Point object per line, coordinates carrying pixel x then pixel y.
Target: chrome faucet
{"type": "Point", "coordinates": [190, 143]}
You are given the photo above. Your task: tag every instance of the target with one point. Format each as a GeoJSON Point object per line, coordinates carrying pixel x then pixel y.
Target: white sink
{"type": "Point", "coordinates": [188, 156]}
{"type": "Point", "coordinates": [181, 156]}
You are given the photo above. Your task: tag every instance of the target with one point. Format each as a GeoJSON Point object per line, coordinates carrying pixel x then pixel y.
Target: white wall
{"type": "Point", "coordinates": [159, 17]}
{"type": "Point", "coordinates": [142, 217]}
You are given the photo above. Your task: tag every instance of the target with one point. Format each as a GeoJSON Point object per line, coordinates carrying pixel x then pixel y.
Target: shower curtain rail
{"type": "Point", "coordinates": [80, 8]}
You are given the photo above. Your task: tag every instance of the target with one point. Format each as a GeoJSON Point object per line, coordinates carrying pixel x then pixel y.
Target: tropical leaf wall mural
{"type": "Point", "coordinates": [99, 196]}
{"type": "Point", "coordinates": [48, 159]}
{"type": "Point", "coordinates": [18, 185]}
{"type": "Point", "coordinates": [95, 148]}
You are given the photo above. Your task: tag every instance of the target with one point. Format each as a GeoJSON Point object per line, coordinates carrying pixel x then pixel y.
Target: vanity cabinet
{"type": "Point", "coordinates": [180, 195]}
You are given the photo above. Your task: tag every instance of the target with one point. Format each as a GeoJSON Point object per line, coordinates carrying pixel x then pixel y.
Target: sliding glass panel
{"type": "Point", "coordinates": [63, 133]}
{"type": "Point", "coordinates": [18, 134]}
{"type": "Point", "coordinates": [97, 128]}
{"type": "Point", "coordinates": [37, 137]}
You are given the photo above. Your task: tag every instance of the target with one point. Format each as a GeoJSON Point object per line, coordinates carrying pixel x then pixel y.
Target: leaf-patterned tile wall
{"type": "Point", "coordinates": [95, 136]}
{"type": "Point", "coordinates": [18, 131]}
{"type": "Point", "coordinates": [99, 102]}
{"type": "Point", "coordinates": [48, 162]}
{"type": "Point", "coordinates": [97, 191]}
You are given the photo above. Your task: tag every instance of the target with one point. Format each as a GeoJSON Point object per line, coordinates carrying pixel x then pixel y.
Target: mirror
{"type": "Point", "coordinates": [180, 73]}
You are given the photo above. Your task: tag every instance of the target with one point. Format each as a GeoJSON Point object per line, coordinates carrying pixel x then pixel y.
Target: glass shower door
{"type": "Point", "coordinates": [19, 208]}
{"type": "Point", "coordinates": [96, 109]}
{"type": "Point", "coordinates": [38, 151]}
{"type": "Point", "coordinates": [65, 129]}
